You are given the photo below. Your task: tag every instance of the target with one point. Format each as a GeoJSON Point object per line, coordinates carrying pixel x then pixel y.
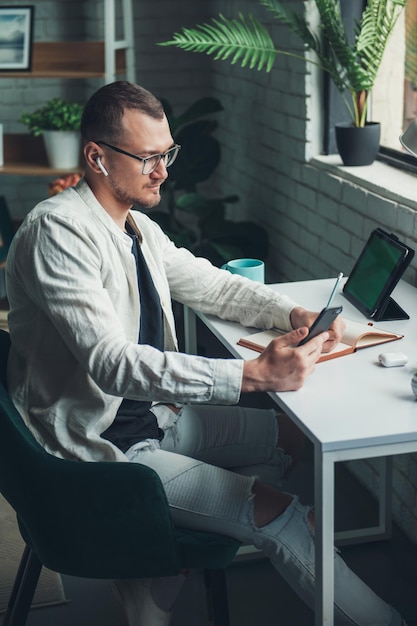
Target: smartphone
{"type": "Point", "coordinates": [323, 322]}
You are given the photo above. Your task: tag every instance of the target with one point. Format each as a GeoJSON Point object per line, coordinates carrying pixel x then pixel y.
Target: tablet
{"type": "Point", "coordinates": [378, 269]}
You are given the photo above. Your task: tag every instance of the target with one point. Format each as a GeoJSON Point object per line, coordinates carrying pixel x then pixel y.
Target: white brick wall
{"type": "Point", "coordinates": [317, 221]}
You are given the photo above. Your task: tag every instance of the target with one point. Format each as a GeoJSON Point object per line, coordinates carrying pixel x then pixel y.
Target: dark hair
{"type": "Point", "coordinates": [103, 113]}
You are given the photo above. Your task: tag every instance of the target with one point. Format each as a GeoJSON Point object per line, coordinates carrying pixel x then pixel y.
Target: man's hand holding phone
{"type": "Point", "coordinates": [328, 319]}
{"type": "Point", "coordinates": [288, 360]}
{"type": "Point", "coordinates": [323, 322]}
{"type": "Point", "coordinates": [282, 366]}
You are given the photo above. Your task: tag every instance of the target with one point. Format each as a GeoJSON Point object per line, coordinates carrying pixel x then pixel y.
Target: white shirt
{"type": "Point", "coordinates": [74, 323]}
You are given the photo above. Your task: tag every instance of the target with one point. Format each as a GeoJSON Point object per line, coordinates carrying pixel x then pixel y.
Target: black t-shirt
{"type": "Point", "coordinates": [135, 421]}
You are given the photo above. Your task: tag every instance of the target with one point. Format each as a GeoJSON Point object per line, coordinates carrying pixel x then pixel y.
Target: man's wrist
{"type": "Point", "coordinates": [248, 379]}
{"type": "Point", "coordinates": [296, 317]}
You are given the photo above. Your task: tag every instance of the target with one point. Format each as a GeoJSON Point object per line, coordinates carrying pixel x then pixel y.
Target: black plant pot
{"type": "Point", "coordinates": [358, 146]}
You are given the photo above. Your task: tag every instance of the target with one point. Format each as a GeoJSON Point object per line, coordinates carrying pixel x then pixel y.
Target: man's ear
{"type": "Point", "coordinates": [93, 159]}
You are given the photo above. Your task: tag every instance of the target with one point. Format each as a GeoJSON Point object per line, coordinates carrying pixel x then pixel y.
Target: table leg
{"type": "Point", "coordinates": [384, 528]}
{"type": "Point", "coordinates": [190, 331]}
{"type": "Point", "coordinates": [324, 516]}
{"type": "Point", "coordinates": [385, 497]}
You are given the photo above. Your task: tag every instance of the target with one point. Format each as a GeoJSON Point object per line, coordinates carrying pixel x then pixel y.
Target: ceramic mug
{"type": "Point", "coordinates": [251, 268]}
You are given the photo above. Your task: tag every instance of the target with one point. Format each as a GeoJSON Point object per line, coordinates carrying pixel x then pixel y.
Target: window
{"type": "Point", "coordinates": [394, 97]}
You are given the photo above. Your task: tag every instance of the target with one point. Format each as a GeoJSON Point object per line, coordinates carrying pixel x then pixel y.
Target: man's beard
{"type": "Point", "coordinates": [124, 197]}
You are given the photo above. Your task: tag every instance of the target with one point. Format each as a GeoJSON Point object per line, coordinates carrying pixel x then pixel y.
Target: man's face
{"type": "Point", "coordinates": [143, 136]}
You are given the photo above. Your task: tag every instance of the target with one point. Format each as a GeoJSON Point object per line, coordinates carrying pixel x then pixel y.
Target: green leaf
{"type": "Point", "coordinates": [200, 108]}
{"type": "Point", "coordinates": [199, 156]}
{"type": "Point", "coordinates": [245, 38]}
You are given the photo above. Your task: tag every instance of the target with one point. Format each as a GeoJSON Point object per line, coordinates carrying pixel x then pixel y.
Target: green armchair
{"type": "Point", "coordinates": [95, 520]}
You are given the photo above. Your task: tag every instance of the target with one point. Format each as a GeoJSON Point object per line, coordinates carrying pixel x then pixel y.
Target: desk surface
{"type": "Point", "coordinates": [352, 401]}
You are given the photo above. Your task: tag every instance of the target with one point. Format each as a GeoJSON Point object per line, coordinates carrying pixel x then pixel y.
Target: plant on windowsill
{"type": "Point", "coordinates": [352, 66]}
{"type": "Point", "coordinates": [59, 124]}
{"type": "Point", "coordinates": [191, 219]}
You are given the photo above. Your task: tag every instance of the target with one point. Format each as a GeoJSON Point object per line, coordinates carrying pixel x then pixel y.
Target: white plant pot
{"type": "Point", "coordinates": [62, 148]}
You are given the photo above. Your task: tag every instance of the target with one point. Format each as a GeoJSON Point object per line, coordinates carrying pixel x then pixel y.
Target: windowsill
{"type": "Point", "coordinates": [380, 178]}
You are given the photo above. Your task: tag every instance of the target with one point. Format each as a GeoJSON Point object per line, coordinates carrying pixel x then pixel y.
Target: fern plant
{"type": "Point", "coordinates": [353, 66]}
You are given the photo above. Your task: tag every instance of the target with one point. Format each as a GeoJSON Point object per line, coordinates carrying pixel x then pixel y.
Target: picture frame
{"type": "Point", "coordinates": [16, 34]}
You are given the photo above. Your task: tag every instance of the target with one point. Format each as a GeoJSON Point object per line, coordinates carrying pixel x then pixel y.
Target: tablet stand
{"type": "Point", "coordinates": [390, 311]}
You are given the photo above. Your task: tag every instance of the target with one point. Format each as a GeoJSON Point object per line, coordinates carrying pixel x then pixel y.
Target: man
{"type": "Point", "coordinates": [95, 373]}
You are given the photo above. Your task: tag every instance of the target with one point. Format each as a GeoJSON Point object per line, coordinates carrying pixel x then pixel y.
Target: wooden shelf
{"type": "Point", "coordinates": [24, 155]}
{"type": "Point", "coordinates": [68, 59]}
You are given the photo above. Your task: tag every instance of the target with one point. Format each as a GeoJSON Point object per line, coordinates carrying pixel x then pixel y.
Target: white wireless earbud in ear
{"type": "Point", "coordinates": [101, 166]}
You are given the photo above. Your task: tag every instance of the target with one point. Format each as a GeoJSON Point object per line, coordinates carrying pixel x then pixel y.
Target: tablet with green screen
{"type": "Point", "coordinates": [378, 269]}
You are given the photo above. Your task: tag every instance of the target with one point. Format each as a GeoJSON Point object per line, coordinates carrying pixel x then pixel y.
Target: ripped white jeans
{"type": "Point", "coordinates": [200, 447]}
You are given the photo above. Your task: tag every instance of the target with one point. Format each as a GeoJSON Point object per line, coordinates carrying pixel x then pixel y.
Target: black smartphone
{"type": "Point", "coordinates": [323, 322]}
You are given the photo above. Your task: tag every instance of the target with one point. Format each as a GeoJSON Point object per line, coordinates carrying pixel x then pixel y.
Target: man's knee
{"type": "Point", "coordinates": [269, 503]}
{"type": "Point", "coordinates": [290, 438]}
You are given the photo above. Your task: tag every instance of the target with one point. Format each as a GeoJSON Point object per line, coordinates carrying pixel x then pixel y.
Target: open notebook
{"type": "Point", "coordinates": [355, 337]}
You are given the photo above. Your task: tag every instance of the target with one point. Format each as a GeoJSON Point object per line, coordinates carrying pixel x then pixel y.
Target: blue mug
{"type": "Point", "coordinates": [251, 268]}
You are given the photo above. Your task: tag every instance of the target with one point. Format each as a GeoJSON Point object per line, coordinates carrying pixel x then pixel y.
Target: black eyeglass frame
{"type": "Point", "coordinates": [175, 149]}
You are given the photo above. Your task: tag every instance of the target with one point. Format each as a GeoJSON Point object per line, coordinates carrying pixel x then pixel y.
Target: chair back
{"type": "Point", "coordinates": [4, 354]}
{"type": "Point", "coordinates": [19, 450]}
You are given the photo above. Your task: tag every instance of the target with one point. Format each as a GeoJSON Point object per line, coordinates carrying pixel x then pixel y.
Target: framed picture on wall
{"type": "Point", "coordinates": [16, 32]}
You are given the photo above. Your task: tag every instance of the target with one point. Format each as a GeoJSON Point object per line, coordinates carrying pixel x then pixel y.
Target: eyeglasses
{"type": "Point", "coordinates": [150, 163]}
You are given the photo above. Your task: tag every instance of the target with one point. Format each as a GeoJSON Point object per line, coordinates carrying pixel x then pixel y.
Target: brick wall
{"type": "Point", "coordinates": [317, 220]}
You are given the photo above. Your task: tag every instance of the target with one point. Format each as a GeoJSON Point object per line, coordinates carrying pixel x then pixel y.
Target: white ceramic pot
{"type": "Point", "coordinates": [62, 148]}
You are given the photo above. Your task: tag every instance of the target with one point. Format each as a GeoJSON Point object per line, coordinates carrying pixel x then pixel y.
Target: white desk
{"type": "Point", "coordinates": [350, 408]}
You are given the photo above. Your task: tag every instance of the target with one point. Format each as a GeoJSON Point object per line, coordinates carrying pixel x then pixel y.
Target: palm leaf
{"type": "Point", "coordinates": [378, 21]}
{"type": "Point", "coordinates": [244, 39]}
{"type": "Point", "coordinates": [295, 22]}
{"type": "Point", "coordinates": [339, 59]}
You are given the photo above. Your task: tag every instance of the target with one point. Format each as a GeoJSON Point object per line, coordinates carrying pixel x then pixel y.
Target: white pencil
{"type": "Point", "coordinates": [332, 295]}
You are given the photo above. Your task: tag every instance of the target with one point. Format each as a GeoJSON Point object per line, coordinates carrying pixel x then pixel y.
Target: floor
{"type": "Point", "coordinates": [257, 594]}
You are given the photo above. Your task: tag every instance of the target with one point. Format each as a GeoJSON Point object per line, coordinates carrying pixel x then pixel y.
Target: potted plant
{"type": "Point", "coordinates": [59, 124]}
{"type": "Point", "coordinates": [351, 65]}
